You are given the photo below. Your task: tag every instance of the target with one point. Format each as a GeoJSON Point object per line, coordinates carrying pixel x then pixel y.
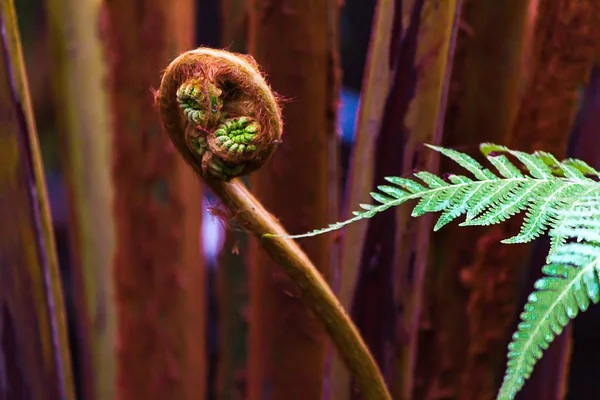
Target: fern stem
{"type": "Point", "coordinates": [317, 293]}
{"type": "Point", "coordinates": [253, 217]}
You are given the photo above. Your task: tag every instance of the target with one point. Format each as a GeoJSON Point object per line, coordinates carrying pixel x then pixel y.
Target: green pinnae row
{"type": "Point", "coordinates": [243, 138]}
{"type": "Point", "coordinates": [199, 144]}
{"type": "Point", "coordinates": [233, 147]}
{"type": "Point", "coordinates": [189, 90]}
{"type": "Point", "coordinates": [191, 100]}
{"type": "Point", "coordinates": [222, 170]}
{"type": "Point", "coordinates": [238, 126]}
{"type": "Point", "coordinates": [236, 135]}
{"type": "Point", "coordinates": [236, 123]}
{"type": "Point", "coordinates": [190, 97]}
{"type": "Point", "coordinates": [196, 116]}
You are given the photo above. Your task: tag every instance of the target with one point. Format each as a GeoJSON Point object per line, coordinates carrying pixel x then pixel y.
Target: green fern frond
{"type": "Point", "coordinates": [488, 199]}
{"type": "Point", "coordinates": [559, 196]}
{"type": "Point", "coordinates": [570, 284]}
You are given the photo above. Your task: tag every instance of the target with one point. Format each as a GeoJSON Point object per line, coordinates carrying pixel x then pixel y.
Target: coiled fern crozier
{"type": "Point", "coordinates": [562, 197]}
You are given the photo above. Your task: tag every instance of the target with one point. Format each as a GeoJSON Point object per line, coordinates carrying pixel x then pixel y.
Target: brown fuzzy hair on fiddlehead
{"type": "Point", "coordinates": [226, 121]}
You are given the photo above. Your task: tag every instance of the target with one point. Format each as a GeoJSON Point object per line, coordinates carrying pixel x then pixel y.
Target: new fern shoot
{"type": "Point", "coordinates": [562, 197]}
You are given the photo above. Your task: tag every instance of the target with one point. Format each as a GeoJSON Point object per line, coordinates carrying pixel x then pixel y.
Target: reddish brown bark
{"type": "Point", "coordinates": [158, 274]}
{"type": "Point", "coordinates": [287, 344]}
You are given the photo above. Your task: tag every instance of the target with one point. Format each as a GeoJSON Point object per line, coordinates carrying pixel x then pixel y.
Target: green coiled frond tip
{"type": "Point", "coordinates": [560, 196]}
{"type": "Point", "coordinates": [232, 120]}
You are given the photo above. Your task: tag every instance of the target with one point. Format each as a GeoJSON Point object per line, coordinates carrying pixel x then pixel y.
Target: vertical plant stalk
{"type": "Point", "coordinates": [232, 273]}
{"type": "Point", "coordinates": [248, 94]}
{"type": "Point", "coordinates": [377, 82]}
{"type": "Point", "coordinates": [157, 268]}
{"type": "Point", "coordinates": [232, 288]}
{"type": "Point", "coordinates": [402, 105]}
{"type": "Point", "coordinates": [424, 123]}
{"type": "Point", "coordinates": [234, 20]}
{"type": "Point", "coordinates": [32, 318]}
{"type": "Point", "coordinates": [84, 126]}
{"type": "Point", "coordinates": [292, 41]}
{"type": "Point", "coordinates": [483, 105]}
{"type": "Point", "coordinates": [334, 84]}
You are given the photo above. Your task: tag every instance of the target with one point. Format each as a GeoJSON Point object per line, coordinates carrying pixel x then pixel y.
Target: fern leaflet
{"type": "Point", "coordinates": [570, 284]}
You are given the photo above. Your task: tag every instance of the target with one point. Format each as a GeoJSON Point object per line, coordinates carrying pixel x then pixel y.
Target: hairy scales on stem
{"type": "Point", "coordinates": [562, 197]}
{"type": "Point", "coordinates": [227, 121]}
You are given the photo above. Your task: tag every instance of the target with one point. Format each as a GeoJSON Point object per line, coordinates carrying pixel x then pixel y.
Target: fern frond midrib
{"type": "Point", "coordinates": [429, 191]}
{"type": "Point", "coordinates": [533, 334]}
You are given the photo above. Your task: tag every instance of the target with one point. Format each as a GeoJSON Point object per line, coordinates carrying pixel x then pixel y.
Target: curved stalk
{"type": "Point", "coordinates": [202, 120]}
{"type": "Point", "coordinates": [251, 215]}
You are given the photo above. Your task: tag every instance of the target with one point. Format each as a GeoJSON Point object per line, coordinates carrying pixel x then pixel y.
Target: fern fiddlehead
{"type": "Point", "coordinates": [247, 113]}
{"type": "Point", "coordinates": [559, 197]}
{"type": "Point", "coordinates": [233, 119]}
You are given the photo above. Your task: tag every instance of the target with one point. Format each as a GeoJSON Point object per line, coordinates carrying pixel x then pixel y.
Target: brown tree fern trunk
{"type": "Point", "coordinates": [403, 104]}
{"type": "Point", "coordinates": [287, 344]}
{"type": "Point", "coordinates": [334, 79]}
{"type": "Point", "coordinates": [84, 128]}
{"type": "Point", "coordinates": [232, 273]}
{"type": "Point", "coordinates": [159, 281]}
